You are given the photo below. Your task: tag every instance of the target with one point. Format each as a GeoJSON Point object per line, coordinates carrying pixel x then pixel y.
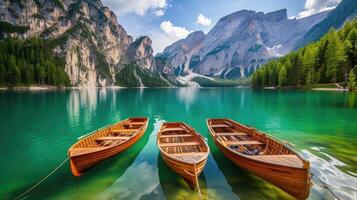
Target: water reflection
{"type": "Point", "coordinates": [352, 99]}
{"type": "Point", "coordinates": [143, 171]}
{"type": "Point", "coordinates": [187, 95]}
{"type": "Point", "coordinates": [174, 187]}
{"type": "Point", "coordinates": [125, 188]}
{"type": "Point", "coordinates": [218, 187]}
{"type": "Point", "coordinates": [103, 94]}
{"type": "Point", "coordinates": [85, 98]}
{"type": "Point", "coordinates": [73, 105]}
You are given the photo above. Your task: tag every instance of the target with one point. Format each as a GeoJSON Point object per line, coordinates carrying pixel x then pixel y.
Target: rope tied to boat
{"type": "Point", "coordinates": [42, 180]}
{"type": "Point", "coordinates": [325, 185]}
{"type": "Point", "coordinates": [197, 183]}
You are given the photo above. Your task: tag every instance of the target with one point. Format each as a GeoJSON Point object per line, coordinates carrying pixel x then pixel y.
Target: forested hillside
{"type": "Point", "coordinates": [30, 62]}
{"type": "Point", "coordinates": [133, 76]}
{"type": "Point", "coordinates": [333, 59]}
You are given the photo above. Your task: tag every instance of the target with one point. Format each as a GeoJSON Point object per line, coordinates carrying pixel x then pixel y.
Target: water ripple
{"type": "Point", "coordinates": [341, 184]}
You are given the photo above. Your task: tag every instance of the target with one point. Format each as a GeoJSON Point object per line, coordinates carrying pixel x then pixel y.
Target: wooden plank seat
{"type": "Point", "coordinates": [189, 153]}
{"type": "Point", "coordinates": [231, 134]}
{"type": "Point", "coordinates": [249, 142]}
{"type": "Point", "coordinates": [173, 129]}
{"type": "Point", "coordinates": [176, 135]}
{"type": "Point", "coordinates": [180, 144]}
{"type": "Point", "coordinates": [122, 130]}
{"type": "Point", "coordinates": [286, 160]}
{"type": "Point", "coordinates": [220, 126]}
{"type": "Point", "coordinates": [113, 138]}
{"type": "Point", "coordinates": [134, 123]}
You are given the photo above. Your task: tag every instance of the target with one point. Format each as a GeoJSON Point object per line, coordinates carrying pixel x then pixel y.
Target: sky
{"type": "Point", "coordinates": [166, 21]}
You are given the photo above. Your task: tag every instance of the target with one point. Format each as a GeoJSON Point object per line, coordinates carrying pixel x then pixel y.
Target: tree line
{"type": "Point", "coordinates": [31, 61]}
{"type": "Point", "coordinates": [128, 77]}
{"type": "Point", "coordinates": [333, 59]}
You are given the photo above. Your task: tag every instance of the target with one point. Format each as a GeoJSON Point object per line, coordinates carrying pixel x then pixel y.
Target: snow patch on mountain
{"type": "Point", "coordinates": [188, 79]}
{"type": "Point", "coordinates": [274, 51]}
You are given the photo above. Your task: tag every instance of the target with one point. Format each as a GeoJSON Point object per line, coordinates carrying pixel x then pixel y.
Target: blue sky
{"type": "Point", "coordinates": [166, 21]}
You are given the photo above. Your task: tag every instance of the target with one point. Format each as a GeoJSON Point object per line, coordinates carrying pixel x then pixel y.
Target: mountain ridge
{"type": "Point", "coordinates": [238, 44]}
{"type": "Point", "coordinates": [345, 11]}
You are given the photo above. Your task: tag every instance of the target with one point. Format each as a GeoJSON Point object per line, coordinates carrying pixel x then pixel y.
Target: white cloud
{"type": "Point", "coordinates": [160, 12]}
{"type": "Point", "coordinates": [139, 7]}
{"type": "Point", "coordinates": [316, 6]}
{"type": "Point", "coordinates": [174, 32]}
{"type": "Point", "coordinates": [204, 21]}
{"type": "Point", "coordinates": [160, 41]}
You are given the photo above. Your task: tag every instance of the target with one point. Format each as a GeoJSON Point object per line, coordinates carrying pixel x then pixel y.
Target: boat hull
{"type": "Point", "coordinates": [186, 170]}
{"type": "Point", "coordinates": [294, 181]}
{"type": "Point", "coordinates": [81, 163]}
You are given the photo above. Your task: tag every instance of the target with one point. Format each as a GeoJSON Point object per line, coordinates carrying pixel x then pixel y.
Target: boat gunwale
{"type": "Point", "coordinates": [137, 131]}
{"type": "Point", "coordinates": [191, 130]}
{"type": "Point", "coordinates": [305, 166]}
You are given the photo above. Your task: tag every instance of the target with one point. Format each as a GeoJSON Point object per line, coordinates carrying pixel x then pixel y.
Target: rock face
{"type": "Point", "coordinates": [237, 44]}
{"type": "Point", "coordinates": [181, 55]}
{"type": "Point", "coordinates": [141, 53]}
{"type": "Point", "coordinates": [83, 32]}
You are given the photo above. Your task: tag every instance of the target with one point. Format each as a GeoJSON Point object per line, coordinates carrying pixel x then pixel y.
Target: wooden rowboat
{"type": "Point", "coordinates": [262, 155]}
{"type": "Point", "coordinates": [105, 143]}
{"type": "Point", "coordinates": [183, 150]}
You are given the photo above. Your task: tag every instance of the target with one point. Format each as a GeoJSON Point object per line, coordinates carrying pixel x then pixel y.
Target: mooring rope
{"type": "Point", "coordinates": [42, 180]}
{"type": "Point", "coordinates": [325, 185]}
{"type": "Point", "coordinates": [197, 183]}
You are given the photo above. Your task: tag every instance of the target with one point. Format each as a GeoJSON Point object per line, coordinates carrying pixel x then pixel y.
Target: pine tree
{"type": "Point", "coordinates": [41, 74]}
{"type": "Point", "coordinates": [299, 70]}
{"type": "Point", "coordinates": [351, 47]}
{"type": "Point", "coordinates": [282, 76]}
{"type": "Point", "coordinates": [335, 56]}
{"type": "Point", "coordinates": [17, 75]}
{"type": "Point", "coordinates": [254, 80]}
{"type": "Point", "coordinates": [351, 79]}
{"type": "Point", "coordinates": [26, 62]}
{"type": "Point", "coordinates": [309, 61]}
{"type": "Point", "coordinates": [2, 74]}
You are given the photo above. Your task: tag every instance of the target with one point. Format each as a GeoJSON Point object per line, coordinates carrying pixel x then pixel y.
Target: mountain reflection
{"type": "Point", "coordinates": [187, 95]}
{"type": "Point", "coordinates": [83, 98]}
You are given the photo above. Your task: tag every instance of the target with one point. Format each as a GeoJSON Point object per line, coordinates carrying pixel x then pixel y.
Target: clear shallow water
{"type": "Point", "coordinates": [38, 127]}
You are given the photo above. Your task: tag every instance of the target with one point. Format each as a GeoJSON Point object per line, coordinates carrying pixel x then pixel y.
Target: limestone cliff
{"type": "Point", "coordinates": [141, 53]}
{"type": "Point", "coordinates": [84, 33]}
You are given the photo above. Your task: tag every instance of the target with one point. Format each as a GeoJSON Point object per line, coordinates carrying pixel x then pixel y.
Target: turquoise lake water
{"type": "Point", "coordinates": [38, 127]}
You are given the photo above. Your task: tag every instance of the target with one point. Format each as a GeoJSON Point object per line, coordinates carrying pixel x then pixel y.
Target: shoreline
{"type": "Point", "coordinates": [48, 87]}
{"type": "Point", "coordinates": [331, 89]}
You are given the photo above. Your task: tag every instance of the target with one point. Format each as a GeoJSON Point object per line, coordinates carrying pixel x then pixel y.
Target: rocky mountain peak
{"type": "Point", "coordinates": [141, 53]}
{"type": "Point", "coordinates": [180, 54]}
{"type": "Point", "coordinates": [196, 36]}
{"type": "Point", "coordinates": [234, 16]}
{"type": "Point", "coordinates": [187, 44]}
{"type": "Point", "coordinates": [277, 16]}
